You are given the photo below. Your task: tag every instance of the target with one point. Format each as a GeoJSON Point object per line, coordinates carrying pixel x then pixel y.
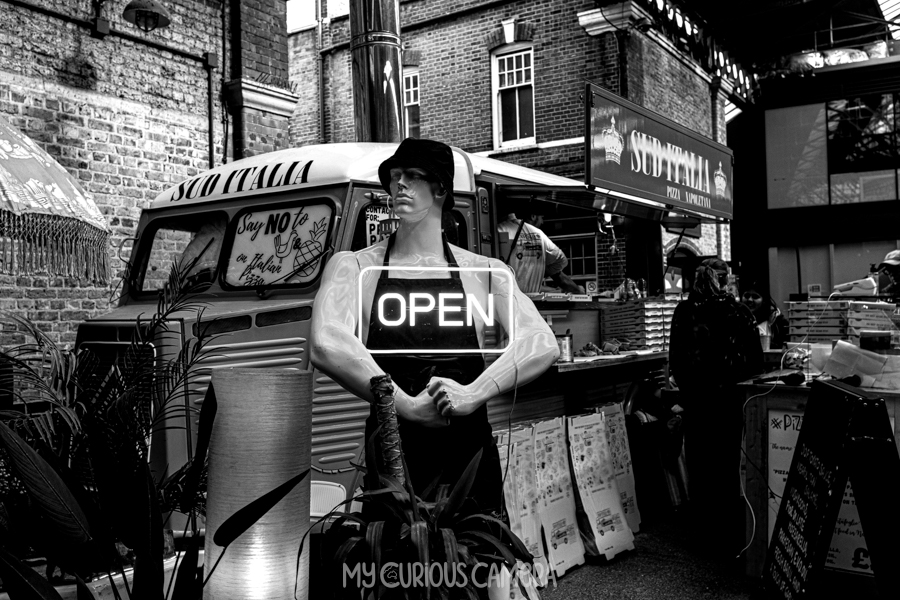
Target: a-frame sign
{"type": "Point", "coordinates": [846, 433]}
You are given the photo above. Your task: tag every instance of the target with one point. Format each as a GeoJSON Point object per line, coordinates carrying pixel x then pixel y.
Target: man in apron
{"type": "Point", "coordinates": [440, 398]}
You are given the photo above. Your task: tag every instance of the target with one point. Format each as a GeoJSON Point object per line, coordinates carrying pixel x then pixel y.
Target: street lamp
{"type": "Point", "coordinates": [146, 15]}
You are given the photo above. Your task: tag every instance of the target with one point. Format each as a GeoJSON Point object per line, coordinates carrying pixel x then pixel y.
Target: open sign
{"type": "Point", "coordinates": [492, 311]}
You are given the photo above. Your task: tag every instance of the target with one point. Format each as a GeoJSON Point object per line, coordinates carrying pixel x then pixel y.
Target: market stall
{"type": "Point", "coordinates": [643, 172]}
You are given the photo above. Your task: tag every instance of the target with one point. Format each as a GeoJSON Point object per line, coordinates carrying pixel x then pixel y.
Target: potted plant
{"type": "Point", "coordinates": [75, 483]}
{"type": "Point", "coordinates": [402, 546]}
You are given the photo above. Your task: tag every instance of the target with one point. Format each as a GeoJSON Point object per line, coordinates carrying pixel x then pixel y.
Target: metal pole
{"type": "Point", "coordinates": [376, 66]}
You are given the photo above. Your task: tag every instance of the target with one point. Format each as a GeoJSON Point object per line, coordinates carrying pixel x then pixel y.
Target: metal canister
{"type": "Point", "coordinates": [566, 352]}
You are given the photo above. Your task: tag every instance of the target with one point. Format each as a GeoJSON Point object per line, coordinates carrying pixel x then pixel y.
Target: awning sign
{"type": "Point", "coordinates": [634, 151]}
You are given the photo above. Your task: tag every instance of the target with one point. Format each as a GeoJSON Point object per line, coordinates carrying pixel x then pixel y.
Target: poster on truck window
{"type": "Point", "coordinates": [278, 247]}
{"type": "Point", "coordinates": [375, 232]}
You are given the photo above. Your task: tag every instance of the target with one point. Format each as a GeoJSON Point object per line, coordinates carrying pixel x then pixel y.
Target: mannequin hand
{"type": "Point", "coordinates": [451, 399]}
{"type": "Point", "coordinates": [419, 409]}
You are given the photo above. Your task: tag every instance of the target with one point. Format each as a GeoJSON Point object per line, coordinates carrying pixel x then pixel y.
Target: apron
{"type": "Point", "coordinates": [433, 451]}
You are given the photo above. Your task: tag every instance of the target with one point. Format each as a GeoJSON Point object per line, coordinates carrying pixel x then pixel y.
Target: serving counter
{"type": "Point", "coordinates": [773, 416]}
{"type": "Point", "coordinates": [570, 388]}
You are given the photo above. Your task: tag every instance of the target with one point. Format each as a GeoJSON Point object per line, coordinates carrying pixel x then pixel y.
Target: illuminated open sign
{"type": "Point", "coordinates": [495, 312]}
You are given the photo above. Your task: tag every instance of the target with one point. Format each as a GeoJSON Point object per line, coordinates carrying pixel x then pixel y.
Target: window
{"type": "Point", "coordinates": [189, 244]}
{"type": "Point", "coordinates": [513, 83]}
{"type": "Point", "coordinates": [411, 101]}
{"type": "Point", "coordinates": [581, 250]}
{"type": "Point", "coordinates": [840, 152]}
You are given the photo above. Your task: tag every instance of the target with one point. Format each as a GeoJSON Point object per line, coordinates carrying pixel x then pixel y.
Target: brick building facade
{"type": "Point", "coordinates": [454, 49]}
{"type": "Point", "coordinates": [128, 113]}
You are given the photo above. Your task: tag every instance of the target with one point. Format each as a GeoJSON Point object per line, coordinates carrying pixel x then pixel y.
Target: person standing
{"type": "Point", "coordinates": [440, 399]}
{"type": "Point", "coordinates": [535, 256]}
{"type": "Point", "coordinates": [890, 266]}
{"type": "Point", "coordinates": [714, 345]}
{"type": "Point", "coordinates": [770, 321]}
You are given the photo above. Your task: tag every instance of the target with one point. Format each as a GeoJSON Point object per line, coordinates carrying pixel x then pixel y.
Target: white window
{"type": "Point", "coordinates": [411, 101]}
{"type": "Point", "coordinates": [513, 85]}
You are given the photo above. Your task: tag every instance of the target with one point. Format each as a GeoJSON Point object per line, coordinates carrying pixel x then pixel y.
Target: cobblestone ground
{"type": "Point", "coordinates": [663, 566]}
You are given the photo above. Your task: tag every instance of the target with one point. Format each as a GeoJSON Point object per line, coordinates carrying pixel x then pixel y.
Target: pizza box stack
{"type": "Point", "coordinates": [830, 320]}
{"type": "Point", "coordinates": [645, 323]}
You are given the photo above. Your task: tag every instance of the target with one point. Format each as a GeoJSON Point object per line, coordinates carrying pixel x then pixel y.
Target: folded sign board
{"type": "Point", "coordinates": [633, 151]}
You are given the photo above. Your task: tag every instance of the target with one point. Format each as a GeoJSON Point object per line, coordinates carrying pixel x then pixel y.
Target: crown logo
{"type": "Point", "coordinates": [720, 181]}
{"type": "Point", "coordinates": [613, 142]}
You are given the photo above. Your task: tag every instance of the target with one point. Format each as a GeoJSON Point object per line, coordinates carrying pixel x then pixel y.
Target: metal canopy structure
{"type": "Point", "coordinates": [762, 31]}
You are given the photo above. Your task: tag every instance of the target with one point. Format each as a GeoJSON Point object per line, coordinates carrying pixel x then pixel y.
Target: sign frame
{"type": "Point", "coordinates": [703, 179]}
{"type": "Point", "coordinates": [846, 434]}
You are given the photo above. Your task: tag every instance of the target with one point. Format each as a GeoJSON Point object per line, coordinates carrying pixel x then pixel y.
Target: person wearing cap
{"type": "Point", "coordinates": [535, 256]}
{"type": "Point", "coordinates": [890, 266]}
{"type": "Point", "coordinates": [440, 399]}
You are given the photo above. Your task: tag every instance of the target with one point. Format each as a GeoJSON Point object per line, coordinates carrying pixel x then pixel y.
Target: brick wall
{"type": "Point", "coordinates": [304, 125]}
{"type": "Point", "coordinates": [264, 39]}
{"type": "Point", "coordinates": [455, 72]}
{"type": "Point", "coordinates": [125, 119]}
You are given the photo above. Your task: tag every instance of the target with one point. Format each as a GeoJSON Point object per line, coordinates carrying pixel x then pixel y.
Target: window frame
{"type": "Point", "coordinates": [409, 72]}
{"type": "Point", "coordinates": [565, 242]}
{"type": "Point", "coordinates": [497, 117]}
{"type": "Point", "coordinates": [143, 250]}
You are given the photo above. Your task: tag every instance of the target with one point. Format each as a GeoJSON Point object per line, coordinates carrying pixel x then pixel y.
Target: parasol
{"type": "Point", "coordinates": [48, 224]}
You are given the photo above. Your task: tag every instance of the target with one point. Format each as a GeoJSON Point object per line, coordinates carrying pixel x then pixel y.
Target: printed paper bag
{"type": "Point", "coordinates": [596, 481]}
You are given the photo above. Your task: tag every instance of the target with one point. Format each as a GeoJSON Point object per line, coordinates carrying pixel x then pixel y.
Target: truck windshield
{"type": "Point", "coordinates": [192, 246]}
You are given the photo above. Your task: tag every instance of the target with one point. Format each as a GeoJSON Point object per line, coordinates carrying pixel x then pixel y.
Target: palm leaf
{"type": "Point", "coordinates": [22, 582]}
{"type": "Point", "coordinates": [46, 488]}
{"type": "Point", "coordinates": [409, 489]}
{"type": "Point", "coordinates": [418, 535]}
{"type": "Point", "coordinates": [451, 550]}
{"type": "Point", "coordinates": [343, 552]}
{"type": "Point", "coordinates": [207, 416]}
{"type": "Point", "coordinates": [518, 546]}
{"type": "Point", "coordinates": [84, 592]}
{"type": "Point", "coordinates": [460, 491]}
{"type": "Point", "coordinates": [245, 517]}
{"type": "Point", "coordinates": [186, 578]}
{"type": "Point", "coordinates": [486, 538]}
{"type": "Point", "coordinates": [149, 576]}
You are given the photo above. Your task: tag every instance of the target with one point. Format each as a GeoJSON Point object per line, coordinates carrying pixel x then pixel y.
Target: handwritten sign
{"type": "Point", "coordinates": [847, 551]}
{"type": "Point", "coordinates": [279, 247]}
{"type": "Point", "coordinates": [843, 435]}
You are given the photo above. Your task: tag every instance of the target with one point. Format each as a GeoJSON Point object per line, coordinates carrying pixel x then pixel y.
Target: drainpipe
{"type": "Point", "coordinates": [320, 60]}
{"type": "Point", "coordinates": [237, 118]}
{"type": "Point", "coordinates": [375, 57]}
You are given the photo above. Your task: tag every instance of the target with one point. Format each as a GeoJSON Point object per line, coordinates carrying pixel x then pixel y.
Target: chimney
{"type": "Point", "coordinates": [377, 81]}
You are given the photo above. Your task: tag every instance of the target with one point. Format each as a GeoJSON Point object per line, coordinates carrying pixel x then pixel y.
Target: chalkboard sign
{"type": "Point", "coordinates": [845, 434]}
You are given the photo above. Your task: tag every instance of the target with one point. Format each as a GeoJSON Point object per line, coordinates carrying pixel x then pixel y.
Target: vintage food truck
{"type": "Point", "coordinates": [256, 234]}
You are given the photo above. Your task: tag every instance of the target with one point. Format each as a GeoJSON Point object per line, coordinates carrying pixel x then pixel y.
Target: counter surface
{"type": "Point", "coordinates": [606, 361]}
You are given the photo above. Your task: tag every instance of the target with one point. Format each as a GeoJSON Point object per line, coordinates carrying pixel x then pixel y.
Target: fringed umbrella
{"type": "Point", "coordinates": [48, 224]}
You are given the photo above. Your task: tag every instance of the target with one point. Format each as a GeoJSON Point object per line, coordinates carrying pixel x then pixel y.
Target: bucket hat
{"type": "Point", "coordinates": [892, 258]}
{"type": "Point", "coordinates": [434, 157]}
